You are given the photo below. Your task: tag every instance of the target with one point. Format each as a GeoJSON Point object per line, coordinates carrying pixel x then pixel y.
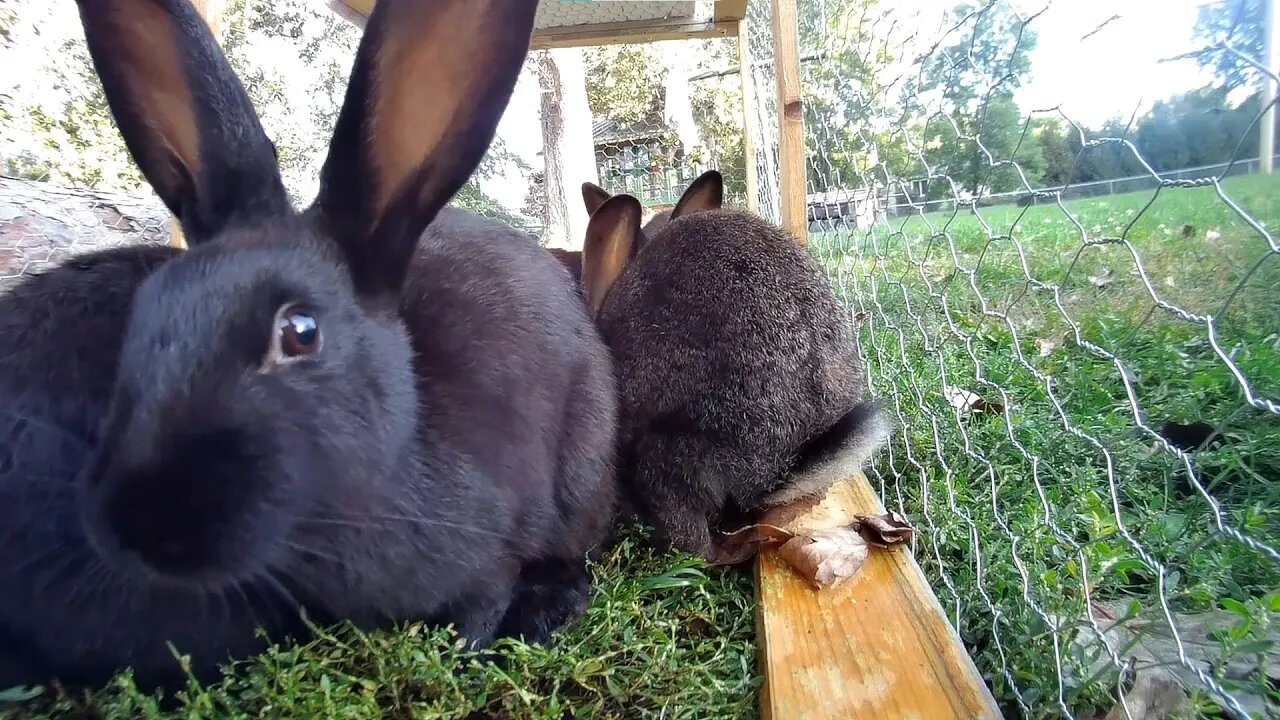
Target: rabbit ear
{"type": "Point", "coordinates": [185, 117]}
{"type": "Point", "coordinates": [612, 235]}
{"type": "Point", "coordinates": [430, 83]}
{"type": "Point", "coordinates": [706, 193]}
{"type": "Point", "coordinates": [593, 196]}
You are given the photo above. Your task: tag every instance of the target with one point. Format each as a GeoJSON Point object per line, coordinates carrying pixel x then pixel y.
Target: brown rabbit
{"type": "Point", "coordinates": [593, 196]}
{"type": "Point", "coordinates": [738, 377]}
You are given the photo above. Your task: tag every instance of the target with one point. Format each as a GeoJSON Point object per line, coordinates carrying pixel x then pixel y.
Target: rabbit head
{"type": "Point", "coordinates": [265, 373]}
{"type": "Point", "coordinates": [738, 376]}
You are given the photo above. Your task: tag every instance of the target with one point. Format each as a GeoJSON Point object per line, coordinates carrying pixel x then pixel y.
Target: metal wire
{"type": "Point", "coordinates": [1001, 448]}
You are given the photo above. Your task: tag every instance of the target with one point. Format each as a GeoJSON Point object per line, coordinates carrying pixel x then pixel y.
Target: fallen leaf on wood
{"type": "Point", "coordinates": [885, 530]}
{"type": "Point", "coordinates": [826, 557]}
{"type": "Point", "coordinates": [1107, 277]}
{"type": "Point", "coordinates": [967, 401]}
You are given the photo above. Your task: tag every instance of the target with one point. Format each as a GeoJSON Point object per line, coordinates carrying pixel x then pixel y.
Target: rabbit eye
{"type": "Point", "coordinates": [299, 334]}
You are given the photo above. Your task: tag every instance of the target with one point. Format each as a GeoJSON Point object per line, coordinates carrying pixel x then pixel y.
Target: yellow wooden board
{"type": "Point", "coordinates": [876, 647]}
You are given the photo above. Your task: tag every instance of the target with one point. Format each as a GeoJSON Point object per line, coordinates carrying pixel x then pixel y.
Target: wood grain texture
{"type": "Point", "coordinates": [630, 31]}
{"type": "Point", "coordinates": [748, 116]}
{"type": "Point", "coordinates": [791, 157]}
{"type": "Point", "coordinates": [727, 13]}
{"type": "Point", "coordinates": [879, 646]}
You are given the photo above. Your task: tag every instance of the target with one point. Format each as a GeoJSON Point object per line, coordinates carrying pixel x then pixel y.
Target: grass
{"type": "Point", "coordinates": [664, 637]}
{"type": "Point", "coordinates": [967, 300]}
{"type": "Point", "coordinates": [948, 304]}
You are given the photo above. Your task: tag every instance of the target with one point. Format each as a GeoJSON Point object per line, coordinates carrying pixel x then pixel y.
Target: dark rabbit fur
{"type": "Point", "coordinates": [343, 409]}
{"type": "Point", "coordinates": [738, 375]}
{"type": "Point", "coordinates": [594, 196]}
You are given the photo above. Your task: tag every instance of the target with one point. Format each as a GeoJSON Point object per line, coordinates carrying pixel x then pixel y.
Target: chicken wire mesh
{"type": "Point", "coordinates": [1083, 366]}
{"type": "Point", "coordinates": [662, 114]}
{"type": "Point", "coordinates": [1083, 371]}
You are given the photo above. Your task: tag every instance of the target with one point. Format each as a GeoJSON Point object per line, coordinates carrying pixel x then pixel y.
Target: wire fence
{"type": "Point", "coordinates": [1085, 387]}
{"type": "Point", "coordinates": [1080, 343]}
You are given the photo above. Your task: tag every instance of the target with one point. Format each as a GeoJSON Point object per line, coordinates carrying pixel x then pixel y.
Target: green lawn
{"type": "Point", "coordinates": [664, 637]}
{"type": "Point", "coordinates": [950, 300]}
{"type": "Point", "coordinates": [667, 638]}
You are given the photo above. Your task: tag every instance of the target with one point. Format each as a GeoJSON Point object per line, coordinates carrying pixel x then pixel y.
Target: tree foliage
{"type": "Point", "coordinates": [292, 56]}
{"type": "Point", "coordinates": [1239, 25]}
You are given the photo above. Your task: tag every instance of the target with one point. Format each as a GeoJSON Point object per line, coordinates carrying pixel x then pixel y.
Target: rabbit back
{"type": "Point", "coordinates": [731, 353]}
{"type": "Point", "coordinates": [512, 372]}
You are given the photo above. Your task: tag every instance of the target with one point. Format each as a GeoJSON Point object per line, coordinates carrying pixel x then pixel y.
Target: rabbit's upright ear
{"type": "Point", "coordinates": [705, 193]}
{"type": "Point", "coordinates": [612, 238]}
{"type": "Point", "coordinates": [430, 83]}
{"type": "Point", "coordinates": [185, 117]}
{"type": "Point", "coordinates": [593, 196]}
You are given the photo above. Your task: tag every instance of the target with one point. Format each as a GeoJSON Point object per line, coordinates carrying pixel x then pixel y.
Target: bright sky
{"type": "Point", "coordinates": [1109, 74]}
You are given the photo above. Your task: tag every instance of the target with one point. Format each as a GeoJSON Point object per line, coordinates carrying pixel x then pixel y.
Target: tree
{"type": "Point", "coordinates": [535, 199]}
{"type": "Point", "coordinates": [1233, 23]}
{"type": "Point", "coordinates": [624, 83]}
{"type": "Point", "coordinates": [292, 57]}
{"type": "Point", "coordinates": [971, 83]}
{"type": "Point", "coordinates": [1055, 149]}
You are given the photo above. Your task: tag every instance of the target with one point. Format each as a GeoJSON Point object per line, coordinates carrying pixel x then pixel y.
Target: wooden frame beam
{"type": "Point", "coordinates": [879, 646]}
{"type": "Point", "coordinates": [724, 23]}
{"type": "Point", "coordinates": [791, 156]}
{"type": "Point", "coordinates": [633, 31]}
{"type": "Point", "coordinates": [748, 116]}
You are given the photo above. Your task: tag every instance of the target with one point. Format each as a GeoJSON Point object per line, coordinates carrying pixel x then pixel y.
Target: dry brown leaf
{"type": "Point", "coordinates": [1045, 346]}
{"type": "Point", "coordinates": [827, 557]}
{"type": "Point", "coordinates": [823, 549]}
{"type": "Point", "coordinates": [860, 318]}
{"type": "Point", "coordinates": [885, 530]}
{"type": "Point", "coordinates": [1107, 277]}
{"type": "Point", "coordinates": [968, 401]}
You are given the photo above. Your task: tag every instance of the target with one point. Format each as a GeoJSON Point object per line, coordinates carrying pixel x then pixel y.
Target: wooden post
{"type": "Point", "coordinates": [212, 11]}
{"type": "Point", "coordinates": [748, 116]}
{"type": "Point", "coordinates": [1271, 56]}
{"type": "Point", "coordinates": [791, 158]}
{"type": "Point", "coordinates": [879, 646]}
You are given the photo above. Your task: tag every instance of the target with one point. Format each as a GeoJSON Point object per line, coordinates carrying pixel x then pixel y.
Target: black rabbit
{"type": "Point", "coordinates": [341, 409]}
{"type": "Point", "coordinates": [738, 376]}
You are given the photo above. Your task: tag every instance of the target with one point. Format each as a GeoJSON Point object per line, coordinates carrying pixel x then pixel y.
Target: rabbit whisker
{"type": "Point", "coordinates": [425, 522]}
{"type": "Point", "coordinates": [248, 606]}
{"type": "Point", "coordinates": [307, 550]}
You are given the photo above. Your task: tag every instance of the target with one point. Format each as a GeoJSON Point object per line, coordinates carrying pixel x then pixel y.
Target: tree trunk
{"type": "Point", "coordinates": [567, 151]}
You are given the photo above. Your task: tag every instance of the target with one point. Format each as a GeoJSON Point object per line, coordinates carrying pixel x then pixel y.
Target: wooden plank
{"type": "Point", "coordinates": [630, 31]}
{"type": "Point", "coordinates": [748, 116]}
{"type": "Point", "coordinates": [212, 11]}
{"type": "Point", "coordinates": [879, 646]}
{"type": "Point", "coordinates": [791, 158]}
{"type": "Point", "coordinates": [364, 7]}
{"type": "Point", "coordinates": [723, 24]}
{"type": "Point", "coordinates": [730, 10]}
